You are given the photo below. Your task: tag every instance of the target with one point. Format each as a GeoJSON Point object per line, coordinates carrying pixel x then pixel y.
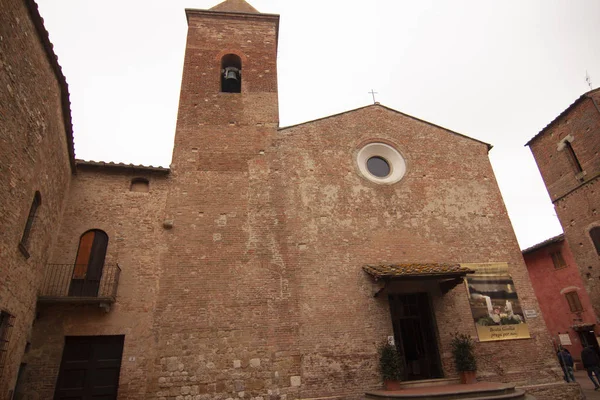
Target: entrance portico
{"type": "Point", "coordinates": [412, 290]}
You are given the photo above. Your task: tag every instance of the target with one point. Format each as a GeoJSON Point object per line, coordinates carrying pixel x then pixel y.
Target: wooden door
{"type": "Point", "coordinates": [90, 368]}
{"type": "Point", "coordinates": [414, 332]}
{"type": "Point", "coordinates": [89, 264]}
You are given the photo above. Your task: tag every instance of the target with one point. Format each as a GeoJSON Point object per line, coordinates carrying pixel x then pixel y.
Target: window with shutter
{"type": "Point", "coordinates": [574, 302]}
{"type": "Point", "coordinates": [558, 260]}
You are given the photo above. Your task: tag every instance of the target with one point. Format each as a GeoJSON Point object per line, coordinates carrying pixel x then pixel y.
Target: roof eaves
{"type": "Point", "coordinates": [122, 166]}
{"type": "Point", "coordinates": [552, 240]}
{"type": "Point", "coordinates": [489, 146]}
{"type": "Point", "coordinates": [44, 37]}
{"type": "Point", "coordinates": [416, 271]}
{"type": "Point", "coordinates": [559, 116]}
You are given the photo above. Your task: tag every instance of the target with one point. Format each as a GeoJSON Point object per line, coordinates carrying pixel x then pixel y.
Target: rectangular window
{"type": "Point", "coordinates": [6, 323]}
{"type": "Point", "coordinates": [558, 260]}
{"type": "Point", "coordinates": [574, 302]}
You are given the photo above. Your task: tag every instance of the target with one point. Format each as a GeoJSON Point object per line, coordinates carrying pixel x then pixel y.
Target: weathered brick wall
{"type": "Point", "coordinates": [446, 209]}
{"type": "Point", "coordinates": [34, 157]}
{"type": "Point", "coordinates": [575, 197]}
{"type": "Point", "coordinates": [578, 214]}
{"type": "Point", "coordinates": [226, 311]}
{"type": "Point", "coordinates": [582, 122]}
{"type": "Point", "coordinates": [100, 198]}
{"type": "Point", "coordinates": [550, 285]}
{"type": "Point", "coordinates": [257, 290]}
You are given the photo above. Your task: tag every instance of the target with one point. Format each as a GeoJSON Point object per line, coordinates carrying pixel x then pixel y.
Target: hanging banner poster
{"type": "Point", "coordinates": [494, 303]}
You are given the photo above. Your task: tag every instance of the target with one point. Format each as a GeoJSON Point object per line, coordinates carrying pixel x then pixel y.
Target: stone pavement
{"type": "Point", "coordinates": [587, 385]}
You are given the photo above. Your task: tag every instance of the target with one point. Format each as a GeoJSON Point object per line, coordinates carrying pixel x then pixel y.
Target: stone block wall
{"type": "Point", "coordinates": [35, 157]}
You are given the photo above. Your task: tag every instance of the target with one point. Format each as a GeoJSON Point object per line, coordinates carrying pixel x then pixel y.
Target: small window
{"type": "Point", "coordinates": [574, 302]}
{"type": "Point", "coordinates": [378, 166]}
{"type": "Point", "coordinates": [24, 243]}
{"type": "Point", "coordinates": [573, 157]}
{"type": "Point", "coordinates": [231, 74]}
{"type": "Point", "coordinates": [7, 321]}
{"type": "Point", "coordinates": [595, 235]}
{"type": "Point", "coordinates": [140, 185]}
{"type": "Point", "coordinates": [558, 260]}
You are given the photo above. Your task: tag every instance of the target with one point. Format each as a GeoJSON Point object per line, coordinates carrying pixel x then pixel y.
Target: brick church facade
{"type": "Point", "coordinates": [265, 263]}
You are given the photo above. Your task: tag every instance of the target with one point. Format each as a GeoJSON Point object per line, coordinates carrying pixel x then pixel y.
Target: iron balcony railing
{"type": "Point", "coordinates": [75, 283]}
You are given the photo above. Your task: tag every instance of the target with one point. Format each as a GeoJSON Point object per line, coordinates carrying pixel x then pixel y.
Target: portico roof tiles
{"type": "Point", "coordinates": [409, 270]}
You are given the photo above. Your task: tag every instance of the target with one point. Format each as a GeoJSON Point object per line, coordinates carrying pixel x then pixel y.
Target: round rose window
{"type": "Point", "coordinates": [381, 163]}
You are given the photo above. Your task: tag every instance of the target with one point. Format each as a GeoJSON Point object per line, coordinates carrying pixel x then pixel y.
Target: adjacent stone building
{"type": "Point", "coordinates": [566, 152]}
{"type": "Point", "coordinates": [265, 263]}
{"type": "Point", "coordinates": [561, 294]}
{"type": "Point", "coordinates": [36, 162]}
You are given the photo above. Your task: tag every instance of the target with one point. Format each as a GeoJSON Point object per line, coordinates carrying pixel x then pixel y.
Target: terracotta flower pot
{"type": "Point", "coordinates": [468, 377]}
{"type": "Point", "coordinates": [391, 385]}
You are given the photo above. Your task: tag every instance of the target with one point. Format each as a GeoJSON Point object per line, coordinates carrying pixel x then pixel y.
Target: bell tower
{"type": "Point", "coordinates": [228, 104]}
{"type": "Point", "coordinates": [218, 293]}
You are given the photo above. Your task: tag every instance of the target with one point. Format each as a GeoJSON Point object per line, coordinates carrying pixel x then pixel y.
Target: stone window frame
{"type": "Point", "coordinates": [25, 238]}
{"type": "Point", "coordinates": [387, 151]}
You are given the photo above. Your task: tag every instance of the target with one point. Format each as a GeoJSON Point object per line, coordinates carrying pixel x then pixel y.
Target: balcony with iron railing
{"type": "Point", "coordinates": [74, 283]}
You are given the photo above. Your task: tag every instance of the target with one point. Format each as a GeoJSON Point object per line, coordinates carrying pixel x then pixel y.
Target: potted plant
{"type": "Point", "coordinates": [463, 351]}
{"type": "Point", "coordinates": [390, 365]}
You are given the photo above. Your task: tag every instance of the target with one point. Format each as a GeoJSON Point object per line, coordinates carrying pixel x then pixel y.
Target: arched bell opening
{"type": "Point", "coordinates": [231, 74]}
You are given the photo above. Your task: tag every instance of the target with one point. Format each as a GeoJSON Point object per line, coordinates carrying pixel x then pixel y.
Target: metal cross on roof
{"type": "Point", "coordinates": [373, 93]}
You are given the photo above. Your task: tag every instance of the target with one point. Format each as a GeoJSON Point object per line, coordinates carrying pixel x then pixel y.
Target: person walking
{"type": "Point", "coordinates": [566, 362]}
{"type": "Point", "coordinates": [590, 361]}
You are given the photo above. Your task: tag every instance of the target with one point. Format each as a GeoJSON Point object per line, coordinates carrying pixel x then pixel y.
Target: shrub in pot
{"type": "Point", "coordinates": [390, 366]}
{"type": "Point", "coordinates": [463, 351]}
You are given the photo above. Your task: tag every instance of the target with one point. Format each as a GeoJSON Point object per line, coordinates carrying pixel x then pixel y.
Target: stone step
{"type": "Point", "coordinates": [429, 382]}
{"type": "Point", "coordinates": [516, 395]}
{"type": "Point", "coordinates": [477, 391]}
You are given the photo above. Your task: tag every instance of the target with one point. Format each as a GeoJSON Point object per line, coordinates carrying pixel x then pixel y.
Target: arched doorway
{"type": "Point", "coordinates": [89, 263]}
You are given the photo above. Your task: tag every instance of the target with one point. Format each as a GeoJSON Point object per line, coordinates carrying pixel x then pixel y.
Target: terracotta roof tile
{"type": "Point", "coordinates": [121, 166]}
{"type": "Point", "coordinates": [555, 239]}
{"type": "Point", "coordinates": [424, 270]}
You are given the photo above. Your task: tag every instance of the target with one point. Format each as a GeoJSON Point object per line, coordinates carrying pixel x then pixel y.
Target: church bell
{"type": "Point", "coordinates": [231, 74]}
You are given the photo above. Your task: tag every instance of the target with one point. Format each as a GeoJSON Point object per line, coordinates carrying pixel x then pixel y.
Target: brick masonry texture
{"type": "Point", "coordinates": [242, 265]}
{"type": "Point", "coordinates": [576, 197]}
{"type": "Point", "coordinates": [33, 157]}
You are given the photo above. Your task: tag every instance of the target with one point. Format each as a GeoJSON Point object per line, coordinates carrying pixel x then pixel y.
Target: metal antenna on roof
{"type": "Point", "coordinates": [588, 80]}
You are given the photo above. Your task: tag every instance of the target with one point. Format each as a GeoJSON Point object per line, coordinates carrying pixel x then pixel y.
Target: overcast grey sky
{"type": "Point", "coordinates": [495, 71]}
